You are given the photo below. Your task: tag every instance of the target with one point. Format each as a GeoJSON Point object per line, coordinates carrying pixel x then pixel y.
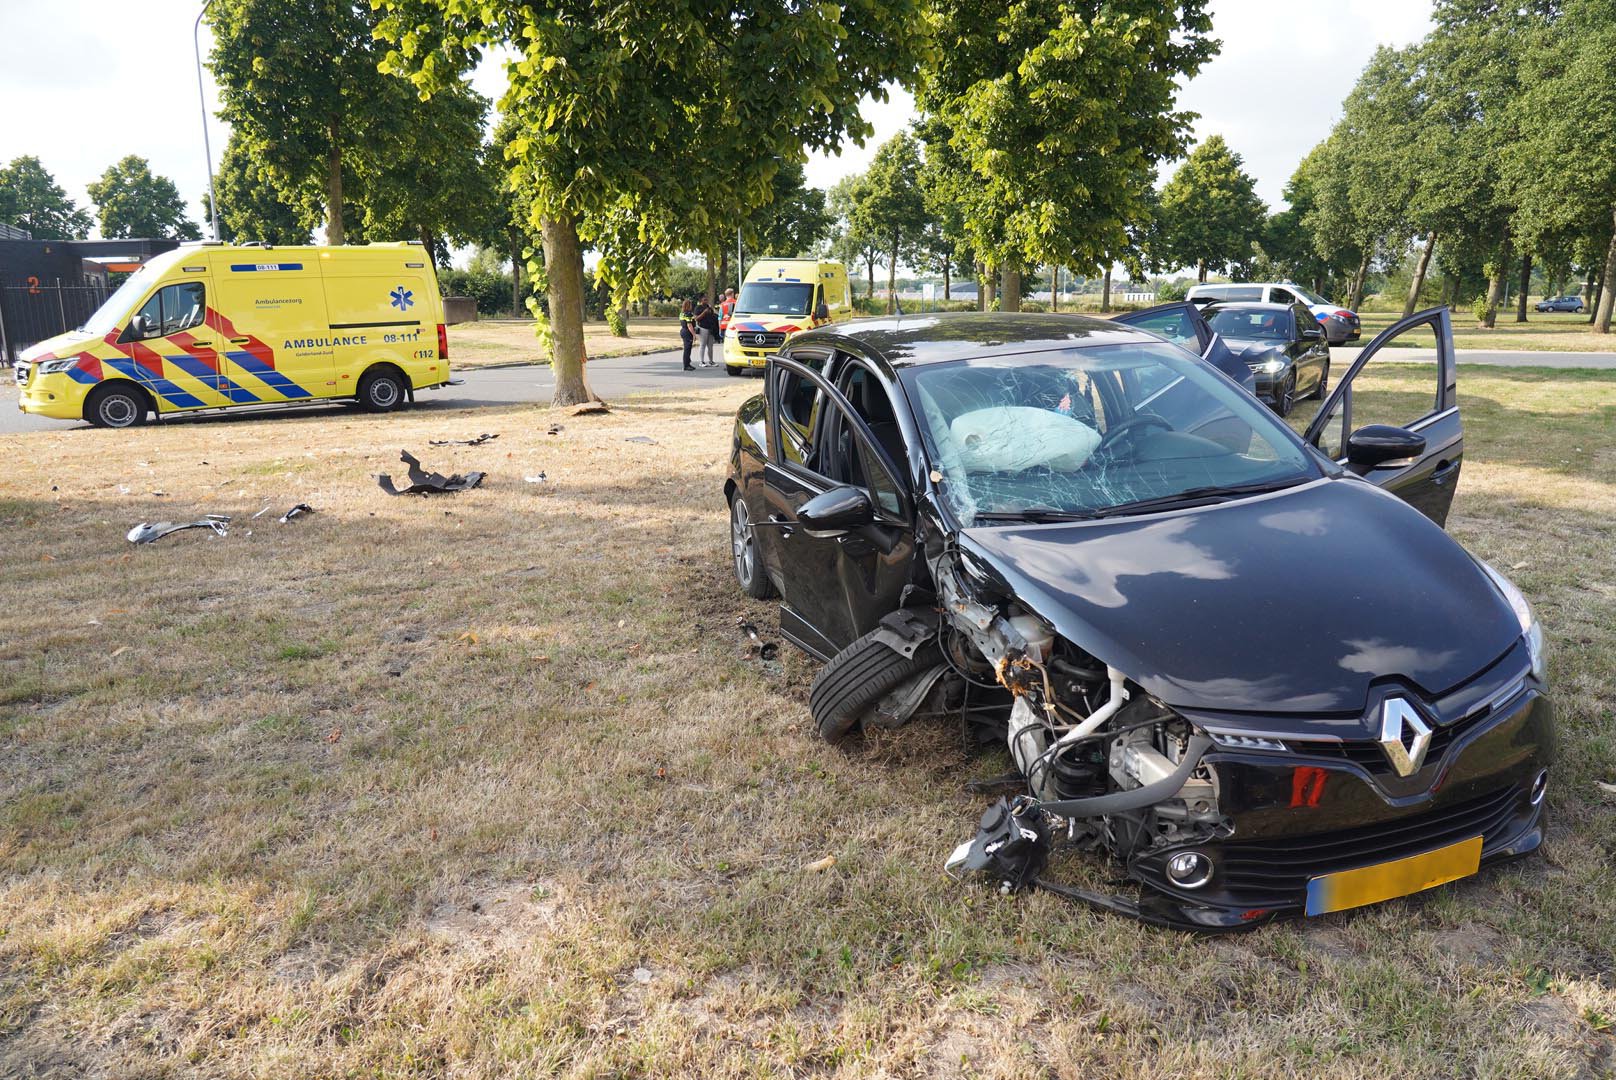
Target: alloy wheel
{"type": "Point", "coordinates": [740, 536]}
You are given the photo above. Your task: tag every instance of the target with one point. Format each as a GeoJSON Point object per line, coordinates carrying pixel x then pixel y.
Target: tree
{"type": "Point", "coordinates": [133, 202]}
{"type": "Point", "coordinates": [31, 199]}
{"type": "Point", "coordinates": [252, 206]}
{"type": "Point", "coordinates": [890, 204]}
{"type": "Point", "coordinates": [1210, 212]}
{"type": "Point", "coordinates": [1059, 114]}
{"type": "Point", "coordinates": [849, 243]}
{"type": "Point", "coordinates": [299, 83]}
{"type": "Point", "coordinates": [1566, 114]}
{"type": "Point", "coordinates": [795, 220]}
{"type": "Point", "coordinates": [584, 69]}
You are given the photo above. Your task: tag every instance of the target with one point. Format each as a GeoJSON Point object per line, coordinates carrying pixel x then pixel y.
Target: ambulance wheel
{"type": "Point", "coordinates": [112, 406]}
{"type": "Point", "coordinates": [381, 390]}
{"type": "Point", "coordinates": [734, 370]}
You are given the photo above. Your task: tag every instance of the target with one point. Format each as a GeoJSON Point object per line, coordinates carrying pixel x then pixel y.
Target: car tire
{"type": "Point", "coordinates": [381, 390]}
{"type": "Point", "coordinates": [112, 406]}
{"type": "Point", "coordinates": [749, 572]}
{"type": "Point", "coordinates": [731, 369]}
{"type": "Point", "coordinates": [1323, 388]}
{"type": "Point", "coordinates": [857, 678]}
{"type": "Point", "coordinates": [1285, 395]}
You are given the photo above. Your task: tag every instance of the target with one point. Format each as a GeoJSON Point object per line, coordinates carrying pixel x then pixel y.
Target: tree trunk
{"type": "Point", "coordinates": [869, 267]}
{"type": "Point", "coordinates": [1010, 288]}
{"type": "Point", "coordinates": [334, 233]}
{"type": "Point", "coordinates": [1588, 290]}
{"type": "Point", "coordinates": [1105, 292]}
{"type": "Point", "coordinates": [723, 274]}
{"type": "Point", "coordinates": [1200, 271]}
{"type": "Point", "coordinates": [1606, 293]}
{"type": "Point", "coordinates": [712, 280]}
{"type": "Point", "coordinates": [1418, 283]}
{"type": "Point", "coordinates": [945, 279]}
{"type": "Point", "coordinates": [564, 274]}
{"type": "Point", "coordinates": [1526, 283]}
{"type": "Point", "coordinates": [892, 277]}
{"type": "Point", "coordinates": [989, 287]}
{"type": "Point", "coordinates": [1054, 288]}
{"type": "Point", "coordinates": [515, 241]}
{"type": "Point", "coordinates": [1355, 294]}
{"type": "Point", "coordinates": [1495, 286]}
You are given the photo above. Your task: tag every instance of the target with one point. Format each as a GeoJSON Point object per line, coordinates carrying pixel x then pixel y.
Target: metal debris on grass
{"type": "Point", "coordinates": [297, 511]}
{"type": "Point", "coordinates": [757, 647]}
{"type": "Point", "coordinates": [556, 429]}
{"type": "Point", "coordinates": [147, 532]}
{"type": "Point", "coordinates": [642, 439]}
{"type": "Point", "coordinates": [478, 441]}
{"type": "Point", "coordinates": [425, 483]}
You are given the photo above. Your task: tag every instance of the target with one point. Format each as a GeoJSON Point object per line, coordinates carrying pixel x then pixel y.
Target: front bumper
{"type": "Point", "coordinates": [55, 396]}
{"type": "Point", "coordinates": [1337, 329]}
{"type": "Point", "coordinates": [1295, 816]}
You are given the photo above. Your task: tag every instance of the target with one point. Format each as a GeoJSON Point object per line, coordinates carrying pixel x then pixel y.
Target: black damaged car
{"type": "Point", "coordinates": [998, 518]}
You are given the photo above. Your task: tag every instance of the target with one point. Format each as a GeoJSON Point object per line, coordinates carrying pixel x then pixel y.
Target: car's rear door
{"type": "Point", "coordinates": [1406, 378]}
{"type": "Point", "coordinates": [834, 587]}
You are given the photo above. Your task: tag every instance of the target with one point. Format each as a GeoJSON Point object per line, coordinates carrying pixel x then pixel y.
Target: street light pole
{"type": "Point", "coordinates": [202, 97]}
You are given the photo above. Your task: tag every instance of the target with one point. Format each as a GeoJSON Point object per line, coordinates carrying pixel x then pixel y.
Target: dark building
{"type": "Point", "coordinates": [48, 286]}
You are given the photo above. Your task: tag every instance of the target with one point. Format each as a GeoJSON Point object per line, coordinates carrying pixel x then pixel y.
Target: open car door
{"type": "Point", "coordinates": [1183, 324]}
{"type": "Point", "coordinates": [1404, 379]}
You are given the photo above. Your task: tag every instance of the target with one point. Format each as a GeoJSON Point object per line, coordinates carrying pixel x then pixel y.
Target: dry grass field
{"type": "Point", "coordinates": [489, 785]}
{"type": "Point", "coordinates": [1547, 332]}
{"type": "Point", "coordinates": [504, 341]}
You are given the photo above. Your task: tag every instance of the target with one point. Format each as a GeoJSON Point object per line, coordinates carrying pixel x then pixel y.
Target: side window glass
{"type": "Point", "coordinates": [1244, 293]}
{"type": "Point", "coordinates": [1281, 296]}
{"type": "Point", "coordinates": [883, 488]}
{"type": "Point", "coordinates": [872, 405]}
{"type": "Point", "coordinates": [796, 404]}
{"type": "Point", "coordinates": [1174, 325]}
{"type": "Point", "coordinates": [183, 307]}
{"type": "Point", "coordinates": [1400, 386]}
{"type": "Point", "coordinates": [148, 321]}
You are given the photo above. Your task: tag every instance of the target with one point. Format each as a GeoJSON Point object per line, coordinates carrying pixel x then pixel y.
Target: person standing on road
{"type": "Point", "coordinates": [727, 310]}
{"type": "Point", "coordinates": [707, 324]}
{"type": "Point", "coordinates": [687, 328]}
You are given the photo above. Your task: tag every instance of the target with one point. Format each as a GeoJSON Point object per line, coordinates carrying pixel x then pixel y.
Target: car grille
{"type": "Point", "coordinates": [1283, 865]}
{"type": "Point", "coordinates": [771, 339]}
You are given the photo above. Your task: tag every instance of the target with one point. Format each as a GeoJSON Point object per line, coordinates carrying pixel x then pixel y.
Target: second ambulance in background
{"type": "Point", "coordinates": [781, 297]}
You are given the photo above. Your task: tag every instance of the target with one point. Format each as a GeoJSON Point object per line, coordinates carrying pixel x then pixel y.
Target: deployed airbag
{"type": "Point", "coordinates": [1010, 438]}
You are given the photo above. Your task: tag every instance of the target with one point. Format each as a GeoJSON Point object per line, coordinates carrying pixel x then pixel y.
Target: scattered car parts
{"type": "Point", "coordinates": [146, 533]}
{"type": "Point", "coordinates": [425, 483]}
{"type": "Point", "coordinates": [297, 511]}
{"type": "Point", "coordinates": [485, 437]}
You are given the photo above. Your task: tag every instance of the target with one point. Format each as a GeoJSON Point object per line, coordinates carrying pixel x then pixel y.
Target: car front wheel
{"type": "Point", "coordinates": [112, 406]}
{"type": "Point", "coordinates": [1285, 395]}
{"type": "Point", "coordinates": [744, 552]}
{"type": "Point", "coordinates": [857, 678]}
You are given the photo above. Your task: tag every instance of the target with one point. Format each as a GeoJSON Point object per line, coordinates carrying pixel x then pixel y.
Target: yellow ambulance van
{"type": "Point", "coordinates": [215, 326]}
{"type": "Point", "coordinates": [779, 298]}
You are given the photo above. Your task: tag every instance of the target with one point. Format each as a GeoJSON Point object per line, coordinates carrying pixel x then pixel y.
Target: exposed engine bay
{"type": "Point", "coordinates": [1104, 766]}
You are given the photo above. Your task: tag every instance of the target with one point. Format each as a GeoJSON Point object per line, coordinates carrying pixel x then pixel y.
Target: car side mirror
{"type": "Point", "coordinates": [140, 327]}
{"type": "Point", "coordinates": [836, 511]}
{"type": "Point", "coordinates": [1381, 444]}
{"type": "Point", "coordinates": [822, 311]}
{"type": "Point", "coordinates": [1312, 333]}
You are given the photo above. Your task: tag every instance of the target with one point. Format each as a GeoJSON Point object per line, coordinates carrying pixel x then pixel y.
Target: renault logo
{"type": "Point", "coordinates": [1399, 721]}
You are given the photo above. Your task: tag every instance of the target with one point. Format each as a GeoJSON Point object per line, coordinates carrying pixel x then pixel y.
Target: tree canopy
{"type": "Point", "coordinates": [132, 202]}
{"type": "Point", "coordinates": [30, 198]}
{"type": "Point", "coordinates": [1210, 212]}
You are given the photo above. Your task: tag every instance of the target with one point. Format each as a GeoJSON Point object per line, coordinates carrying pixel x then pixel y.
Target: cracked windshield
{"type": "Point", "coordinates": [1095, 432]}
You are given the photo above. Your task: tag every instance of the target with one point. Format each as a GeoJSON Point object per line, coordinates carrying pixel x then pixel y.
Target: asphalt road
{"type": "Point", "coordinates": [619, 376]}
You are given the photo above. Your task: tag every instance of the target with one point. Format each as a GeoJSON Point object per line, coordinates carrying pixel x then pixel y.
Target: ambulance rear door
{"type": "Point", "coordinates": [271, 317]}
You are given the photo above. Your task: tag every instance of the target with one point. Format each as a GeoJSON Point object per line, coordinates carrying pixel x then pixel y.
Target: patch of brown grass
{"type": "Point", "coordinates": [506, 341]}
{"type": "Point", "coordinates": [486, 785]}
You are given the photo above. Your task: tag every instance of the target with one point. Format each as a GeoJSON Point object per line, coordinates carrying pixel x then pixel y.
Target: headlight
{"type": "Point", "coordinates": [1274, 367]}
{"type": "Point", "coordinates": [1531, 629]}
{"type": "Point", "coordinates": [56, 367]}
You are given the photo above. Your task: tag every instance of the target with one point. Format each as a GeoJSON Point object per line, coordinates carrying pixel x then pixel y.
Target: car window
{"type": "Point", "coordinates": [796, 405]}
{"type": "Point", "coordinates": [1174, 324]}
{"type": "Point", "coordinates": [843, 458]}
{"type": "Point", "coordinates": [1277, 295]}
{"type": "Point", "coordinates": [1304, 318]}
{"type": "Point", "coordinates": [1400, 386]}
{"type": "Point", "coordinates": [1252, 293]}
{"type": "Point", "coordinates": [872, 404]}
{"type": "Point", "coordinates": [1059, 432]}
{"type": "Point", "coordinates": [171, 310]}
{"type": "Point", "coordinates": [1251, 324]}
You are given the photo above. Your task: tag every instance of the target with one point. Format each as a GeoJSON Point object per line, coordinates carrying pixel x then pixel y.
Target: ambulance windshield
{"type": "Point", "coordinates": [775, 298]}
{"type": "Point", "coordinates": [109, 316]}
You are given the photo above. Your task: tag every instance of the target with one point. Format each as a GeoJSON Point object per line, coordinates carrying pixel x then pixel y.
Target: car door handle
{"type": "Point", "coordinates": [1445, 471]}
{"type": "Point", "coordinates": [240, 340]}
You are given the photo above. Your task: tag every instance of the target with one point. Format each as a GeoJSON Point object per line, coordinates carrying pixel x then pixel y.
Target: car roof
{"type": "Point", "coordinates": [1248, 305]}
{"type": "Point", "coordinates": [907, 340]}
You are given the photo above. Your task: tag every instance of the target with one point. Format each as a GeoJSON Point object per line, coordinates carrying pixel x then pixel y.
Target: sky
{"type": "Point", "coordinates": [86, 82]}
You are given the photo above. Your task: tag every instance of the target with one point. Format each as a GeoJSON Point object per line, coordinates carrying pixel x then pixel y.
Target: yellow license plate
{"type": "Point", "coordinates": [1383, 881]}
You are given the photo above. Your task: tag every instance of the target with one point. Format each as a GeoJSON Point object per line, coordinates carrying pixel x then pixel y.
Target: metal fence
{"type": "Point", "coordinates": [32, 310]}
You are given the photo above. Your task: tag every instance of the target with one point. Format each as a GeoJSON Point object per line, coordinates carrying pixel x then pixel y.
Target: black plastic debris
{"type": "Point", "coordinates": [763, 650]}
{"type": "Point", "coordinates": [297, 511]}
{"type": "Point", "coordinates": [1011, 845]}
{"type": "Point", "coordinates": [147, 532]}
{"type": "Point", "coordinates": [556, 429]}
{"type": "Point", "coordinates": [485, 437]}
{"type": "Point", "coordinates": [425, 483]}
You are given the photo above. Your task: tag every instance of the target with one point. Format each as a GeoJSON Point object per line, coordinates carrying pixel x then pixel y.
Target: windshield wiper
{"type": "Point", "coordinates": [1196, 496]}
{"type": "Point", "coordinates": [1034, 515]}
